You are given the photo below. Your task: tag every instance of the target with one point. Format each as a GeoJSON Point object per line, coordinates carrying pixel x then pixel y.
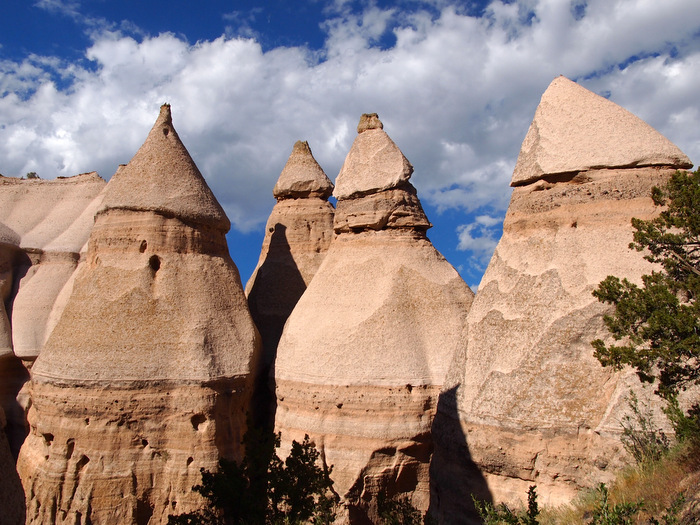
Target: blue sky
{"type": "Point", "coordinates": [456, 84]}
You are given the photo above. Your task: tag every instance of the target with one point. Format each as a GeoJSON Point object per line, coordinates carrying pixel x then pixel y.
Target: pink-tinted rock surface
{"type": "Point", "coordinates": [146, 377]}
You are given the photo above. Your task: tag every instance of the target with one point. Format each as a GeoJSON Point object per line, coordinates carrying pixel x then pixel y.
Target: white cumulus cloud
{"type": "Point", "coordinates": [455, 91]}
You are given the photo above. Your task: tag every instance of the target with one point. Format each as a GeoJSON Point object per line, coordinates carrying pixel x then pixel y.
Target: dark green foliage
{"type": "Point", "coordinates": [670, 517]}
{"type": "Point", "coordinates": [656, 327]}
{"type": "Point", "coordinates": [397, 511]}
{"type": "Point", "coordinates": [659, 321]}
{"type": "Point", "coordinates": [502, 514]}
{"type": "Point", "coordinates": [618, 514]}
{"type": "Point", "coordinates": [686, 426]}
{"type": "Point", "coordinates": [265, 490]}
{"type": "Point", "coordinates": [639, 437]}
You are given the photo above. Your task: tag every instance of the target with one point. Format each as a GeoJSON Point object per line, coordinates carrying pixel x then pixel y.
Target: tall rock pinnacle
{"type": "Point", "coordinates": [366, 349]}
{"type": "Point", "coordinates": [147, 375]}
{"type": "Point", "coordinates": [526, 402]}
{"type": "Point", "coordinates": [297, 236]}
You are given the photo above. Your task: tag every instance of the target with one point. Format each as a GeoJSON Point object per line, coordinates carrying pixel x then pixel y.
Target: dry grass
{"type": "Point", "coordinates": [657, 483]}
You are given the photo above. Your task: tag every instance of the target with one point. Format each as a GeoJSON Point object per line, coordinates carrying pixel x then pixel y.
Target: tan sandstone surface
{"type": "Point", "coordinates": [365, 351]}
{"type": "Point", "coordinates": [51, 220]}
{"type": "Point", "coordinates": [525, 401]}
{"type": "Point", "coordinates": [146, 377]}
{"type": "Point", "coordinates": [297, 236]}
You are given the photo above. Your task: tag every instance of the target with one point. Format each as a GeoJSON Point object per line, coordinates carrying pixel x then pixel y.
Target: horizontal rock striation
{"type": "Point", "coordinates": [366, 349]}
{"type": "Point", "coordinates": [526, 402]}
{"type": "Point", "coordinates": [50, 221]}
{"type": "Point", "coordinates": [147, 375]}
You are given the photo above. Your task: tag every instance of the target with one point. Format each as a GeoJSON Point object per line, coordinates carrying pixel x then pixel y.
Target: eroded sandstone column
{"type": "Point", "coordinates": [146, 377]}
{"type": "Point", "coordinates": [365, 351]}
{"type": "Point", "coordinates": [297, 236]}
{"type": "Point", "coordinates": [52, 220]}
{"type": "Point", "coordinates": [526, 402]}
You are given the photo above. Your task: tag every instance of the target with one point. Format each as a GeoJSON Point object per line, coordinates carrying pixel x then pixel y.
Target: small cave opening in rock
{"type": "Point", "coordinates": [154, 262]}
{"type": "Point", "coordinates": [197, 420]}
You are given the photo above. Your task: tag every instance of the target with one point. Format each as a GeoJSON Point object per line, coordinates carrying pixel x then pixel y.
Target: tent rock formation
{"type": "Point", "coordinates": [146, 377]}
{"type": "Point", "coordinates": [366, 349]}
{"type": "Point", "coordinates": [528, 403]}
{"type": "Point", "coordinates": [297, 236]}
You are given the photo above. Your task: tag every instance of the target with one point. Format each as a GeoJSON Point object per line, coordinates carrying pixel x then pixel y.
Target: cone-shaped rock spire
{"type": "Point", "coordinates": [576, 130]}
{"type": "Point", "coordinates": [157, 339]}
{"type": "Point", "coordinates": [298, 233]}
{"type": "Point", "coordinates": [162, 177]}
{"type": "Point", "coordinates": [365, 351]}
{"type": "Point", "coordinates": [302, 176]}
{"type": "Point", "coordinates": [373, 164]}
{"type": "Point", "coordinates": [526, 401]}
{"type": "Point", "coordinates": [373, 188]}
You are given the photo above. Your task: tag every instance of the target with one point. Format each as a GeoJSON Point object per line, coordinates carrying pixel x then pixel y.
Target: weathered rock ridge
{"type": "Point", "coordinates": [526, 402]}
{"type": "Point", "coordinates": [146, 377]}
{"type": "Point", "coordinates": [359, 369]}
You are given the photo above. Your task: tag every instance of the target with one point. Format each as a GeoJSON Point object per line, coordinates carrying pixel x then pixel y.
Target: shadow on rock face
{"type": "Point", "coordinates": [277, 288]}
{"type": "Point", "coordinates": [454, 477]}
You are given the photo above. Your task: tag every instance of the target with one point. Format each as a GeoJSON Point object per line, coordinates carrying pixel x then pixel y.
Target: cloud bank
{"type": "Point", "coordinates": [455, 90]}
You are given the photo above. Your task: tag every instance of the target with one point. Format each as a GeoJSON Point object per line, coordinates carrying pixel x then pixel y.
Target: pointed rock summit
{"type": "Point", "coordinates": [298, 233]}
{"type": "Point", "coordinates": [147, 376]}
{"type": "Point", "coordinates": [576, 130]}
{"type": "Point", "coordinates": [373, 164]}
{"type": "Point", "coordinates": [526, 402]}
{"type": "Point", "coordinates": [302, 176]}
{"type": "Point", "coordinates": [163, 178]}
{"type": "Point", "coordinates": [366, 349]}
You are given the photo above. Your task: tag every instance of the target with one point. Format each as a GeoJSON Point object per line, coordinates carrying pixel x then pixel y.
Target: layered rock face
{"type": "Point", "coordinates": [526, 401]}
{"type": "Point", "coordinates": [146, 377]}
{"type": "Point", "coordinates": [365, 351]}
{"type": "Point", "coordinates": [51, 222]}
{"type": "Point", "coordinates": [297, 237]}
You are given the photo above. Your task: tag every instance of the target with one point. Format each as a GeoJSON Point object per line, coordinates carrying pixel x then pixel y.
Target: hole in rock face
{"type": "Point", "coordinates": [84, 460]}
{"type": "Point", "coordinates": [190, 460]}
{"type": "Point", "coordinates": [48, 438]}
{"type": "Point", "coordinates": [166, 131]}
{"type": "Point", "coordinates": [154, 263]}
{"type": "Point", "coordinates": [144, 442]}
{"type": "Point", "coordinates": [70, 447]}
{"type": "Point", "coordinates": [197, 420]}
{"type": "Point", "coordinates": [143, 246]}
{"type": "Point", "coordinates": [144, 511]}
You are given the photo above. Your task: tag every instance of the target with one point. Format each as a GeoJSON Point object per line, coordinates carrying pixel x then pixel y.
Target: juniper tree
{"type": "Point", "coordinates": [656, 326]}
